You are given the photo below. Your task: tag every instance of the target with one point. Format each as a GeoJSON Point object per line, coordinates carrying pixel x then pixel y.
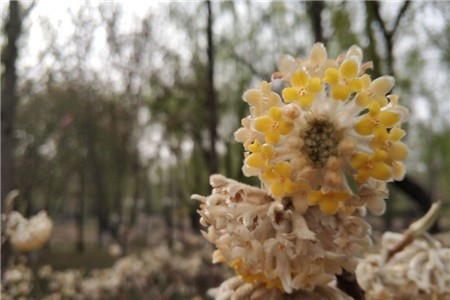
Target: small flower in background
{"type": "Point", "coordinates": [28, 235]}
{"type": "Point", "coordinates": [115, 250]}
{"type": "Point", "coordinates": [420, 271]}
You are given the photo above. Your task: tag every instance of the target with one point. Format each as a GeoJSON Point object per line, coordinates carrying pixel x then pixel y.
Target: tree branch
{"type": "Point", "coordinates": [400, 15]}
{"type": "Point", "coordinates": [315, 9]}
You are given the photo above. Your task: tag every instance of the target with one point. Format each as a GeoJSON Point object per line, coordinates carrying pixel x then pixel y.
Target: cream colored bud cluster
{"type": "Point", "coordinates": [268, 241]}
{"type": "Point", "coordinates": [237, 289]}
{"type": "Point", "coordinates": [28, 234]}
{"type": "Point", "coordinates": [155, 271]}
{"type": "Point", "coordinates": [420, 271]}
{"type": "Point", "coordinates": [17, 282]}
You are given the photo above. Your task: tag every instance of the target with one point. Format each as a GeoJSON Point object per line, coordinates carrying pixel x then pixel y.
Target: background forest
{"type": "Point", "coordinates": [113, 114]}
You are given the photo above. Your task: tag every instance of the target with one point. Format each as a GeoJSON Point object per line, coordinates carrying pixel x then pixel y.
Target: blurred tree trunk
{"type": "Point", "coordinates": [315, 9]}
{"type": "Point", "coordinates": [121, 155]}
{"type": "Point", "coordinates": [416, 193]}
{"type": "Point", "coordinates": [97, 174]}
{"type": "Point", "coordinates": [12, 29]}
{"type": "Point", "coordinates": [9, 99]}
{"type": "Point", "coordinates": [211, 95]}
{"type": "Point", "coordinates": [80, 214]}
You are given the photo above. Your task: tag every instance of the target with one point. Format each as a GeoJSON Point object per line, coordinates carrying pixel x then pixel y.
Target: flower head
{"type": "Point", "coordinates": [420, 271]}
{"type": "Point", "coordinates": [336, 130]}
{"type": "Point", "coordinates": [28, 235]}
{"type": "Point", "coordinates": [323, 153]}
{"type": "Point", "coordinates": [268, 242]}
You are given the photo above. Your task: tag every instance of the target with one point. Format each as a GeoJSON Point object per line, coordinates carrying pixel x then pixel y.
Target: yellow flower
{"type": "Point", "coordinates": [343, 81]}
{"type": "Point", "coordinates": [260, 155]}
{"type": "Point", "coordinates": [273, 125]}
{"type": "Point", "coordinates": [322, 142]}
{"type": "Point", "coordinates": [390, 142]}
{"type": "Point", "coordinates": [318, 60]}
{"type": "Point", "coordinates": [328, 201]}
{"type": "Point", "coordinates": [279, 178]}
{"type": "Point", "coordinates": [302, 90]}
{"type": "Point", "coordinates": [371, 166]}
{"type": "Point", "coordinates": [262, 99]}
{"type": "Point", "coordinates": [374, 90]}
{"type": "Point", "coordinates": [376, 119]}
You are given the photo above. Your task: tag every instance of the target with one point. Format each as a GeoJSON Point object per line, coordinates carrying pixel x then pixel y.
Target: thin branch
{"type": "Point", "coordinates": [315, 9]}
{"type": "Point", "coordinates": [375, 9]}
{"type": "Point", "coordinates": [243, 61]}
{"type": "Point", "coordinates": [27, 11]}
{"type": "Point", "coordinates": [371, 49]}
{"type": "Point", "coordinates": [416, 229]}
{"type": "Point", "coordinates": [400, 15]}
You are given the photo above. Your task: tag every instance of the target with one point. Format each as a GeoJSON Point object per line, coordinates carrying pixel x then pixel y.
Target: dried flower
{"type": "Point", "coordinates": [236, 289]}
{"type": "Point", "coordinates": [28, 235]}
{"type": "Point", "coordinates": [420, 271]}
{"type": "Point", "coordinates": [270, 242]}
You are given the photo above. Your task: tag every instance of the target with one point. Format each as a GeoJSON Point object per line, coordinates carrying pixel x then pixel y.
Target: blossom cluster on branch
{"type": "Point", "coordinates": [323, 138]}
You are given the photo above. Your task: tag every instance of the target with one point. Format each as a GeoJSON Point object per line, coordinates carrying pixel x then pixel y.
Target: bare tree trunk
{"type": "Point", "coordinates": [101, 195]}
{"type": "Point", "coordinates": [80, 213]}
{"type": "Point", "coordinates": [211, 96]}
{"type": "Point", "coordinates": [13, 29]}
{"type": "Point", "coordinates": [315, 9]}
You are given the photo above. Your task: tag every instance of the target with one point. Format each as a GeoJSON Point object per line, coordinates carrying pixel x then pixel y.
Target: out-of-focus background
{"type": "Point", "coordinates": [114, 113]}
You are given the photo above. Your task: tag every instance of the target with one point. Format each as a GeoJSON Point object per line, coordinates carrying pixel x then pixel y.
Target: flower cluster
{"type": "Point", "coordinates": [323, 146]}
{"type": "Point", "coordinates": [28, 235]}
{"type": "Point", "coordinates": [235, 288]}
{"type": "Point", "coordinates": [17, 281]}
{"type": "Point", "coordinates": [332, 138]}
{"type": "Point", "coordinates": [420, 271]}
{"type": "Point", "coordinates": [268, 241]}
{"type": "Point", "coordinates": [141, 275]}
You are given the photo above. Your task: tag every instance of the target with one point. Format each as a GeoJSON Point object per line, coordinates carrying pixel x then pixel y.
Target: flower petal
{"type": "Point", "coordinates": [299, 79]}
{"type": "Point", "coordinates": [263, 124]}
{"type": "Point", "coordinates": [289, 94]}
{"type": "Point", "coordinates": [340, 92]}
{"type": "Point", "coordinates": [314, 85]}
{"type": "Point", "coordinates": [255, 160]}
{"type": "Point", "coordinates": [283, 168]}
{"type": "Point", "coordinates": [305, 101]}
{"type": "Point", "coordinates": [284, 127]}
{"type": "Point", "coordinates": [331, 76]}
{"type": "Point", "coordinates": [380, 171]}
{"type": "Point", "coordinates": [272, 137]}
{"type": "Point", "coordinates": [364, 126]}
{"type": "Point", "coordinates": [252, 96]}
{"type": "Point", "coordinates": [349, 69]}
{"type": "Point", "coordinates": [388, 118]}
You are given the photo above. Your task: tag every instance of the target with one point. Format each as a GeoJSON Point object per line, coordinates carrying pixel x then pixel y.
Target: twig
{"type": "Point", "coordinates": [416, 229]}
{"type": "Point", "coordinates": [400, 14]}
